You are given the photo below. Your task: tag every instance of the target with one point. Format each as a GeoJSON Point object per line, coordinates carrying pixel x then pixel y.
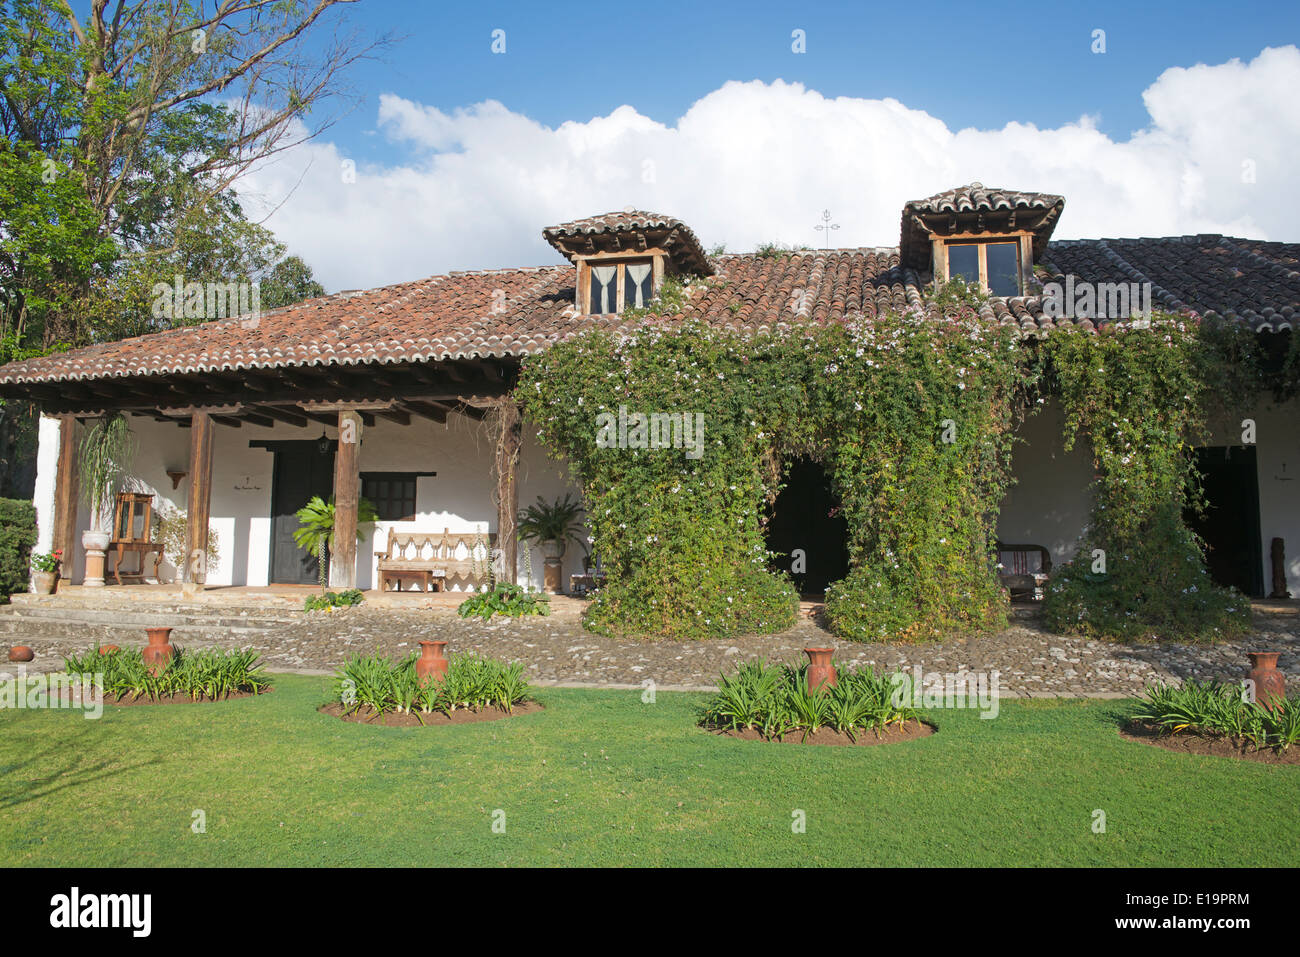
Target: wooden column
{"type": "Point", "coordinates": [67, 486]}
{"type": "Point", "coordinates": [347, 492]}
{"type": "Point", "coordinates": [200, 502]}
{"type": "Point", "coordinates": [509, 440]}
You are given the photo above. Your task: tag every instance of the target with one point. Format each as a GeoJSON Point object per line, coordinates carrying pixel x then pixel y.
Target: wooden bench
{"type": "Point", "coordinates": [432, 560]}
{"type": "Point", "coordinates": [1024, 570]}
{"type": "Point", "coordinates": [130, 506]}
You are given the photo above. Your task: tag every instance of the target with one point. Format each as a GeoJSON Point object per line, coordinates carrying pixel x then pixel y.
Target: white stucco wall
{"type": "Point", "coordinates": [47, 464]}
{"type": "Point", "coordinates": [1049, 503]}
{"type": "Point", "coordinates": [458, 497]}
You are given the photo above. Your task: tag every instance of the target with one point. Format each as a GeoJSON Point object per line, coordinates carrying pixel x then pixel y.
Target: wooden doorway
{"type": "Point", "coordinates": [301, 470]}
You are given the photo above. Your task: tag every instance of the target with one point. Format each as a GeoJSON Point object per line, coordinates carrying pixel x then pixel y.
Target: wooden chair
{"type": "Point", "coordinates": [133, 507]}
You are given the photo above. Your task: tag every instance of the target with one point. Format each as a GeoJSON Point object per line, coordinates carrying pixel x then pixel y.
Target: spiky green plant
{"type": "Point", "coordinates": [104, 455]}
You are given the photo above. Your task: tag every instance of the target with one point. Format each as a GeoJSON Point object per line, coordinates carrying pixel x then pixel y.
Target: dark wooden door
{"type": "Point", "coordinates": [1229, 526]}
{"type": "Point", "coordinates": [301, 470]}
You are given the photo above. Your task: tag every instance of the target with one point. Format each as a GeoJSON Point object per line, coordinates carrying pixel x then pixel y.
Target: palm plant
{"type": "Point", "coordinates": [106, 449]}
{"type": "Point", "coordinates": [551, 521]}
{"type": "Point", "coordinates": [315, 531]}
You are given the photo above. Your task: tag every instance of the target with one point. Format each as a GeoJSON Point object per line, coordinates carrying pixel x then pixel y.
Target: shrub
{"type": "Point", "coordinates": [334, 599]}
{"type": "Point", "coordinates": [1214, 708]}
{"type": "Point", "coordinates": [774, 700]}
{"type": "Point", "coordinates": [210, 674]}
{"type": "Point", "coordinates": [17, 536]}
{"type": "Point", "coordinates": [513, 601]}
{"type": "Point", "coordinates": [375, 685]}
{"type": "Point", "coordinates": [47, 561]}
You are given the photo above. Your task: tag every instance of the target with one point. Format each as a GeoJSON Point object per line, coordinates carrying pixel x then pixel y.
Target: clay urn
{"type": "Point", "coordinates": [820, 669]}
{"type": "Point", "coordinates": [21, 653]}
{"type": "Point", "coordinates": [158, 653]}
{"type": "Point", "coordinates": [1269, 682]}
{"type": "Point", "coordinates": [108, 649]}
{"type": "Point", "coordinates": [432, 661]}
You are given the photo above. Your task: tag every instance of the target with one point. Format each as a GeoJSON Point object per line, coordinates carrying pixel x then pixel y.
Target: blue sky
{"type": "Point", "coordinates": [1026, 62]}
{"type": "Point", "coordinates": [456, 157]}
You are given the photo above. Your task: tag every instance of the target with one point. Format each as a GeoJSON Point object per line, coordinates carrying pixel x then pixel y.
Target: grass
{"type": "Point", "coordinates": [599, 778]}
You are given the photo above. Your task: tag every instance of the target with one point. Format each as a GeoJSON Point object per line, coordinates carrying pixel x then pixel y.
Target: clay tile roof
{"type": "Point", "coordinates": [515, 312]}
{"type": "Point", "coordinates": [980, 207]}
{"type": "Point", "coordinates": [630, 231]}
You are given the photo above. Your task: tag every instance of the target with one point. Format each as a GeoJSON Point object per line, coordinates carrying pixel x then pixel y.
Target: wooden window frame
{"type": "Point", "coordinates": [1023, 241]}
{"type": "Point", "coordinates": [398, 476]}
{"type": "Point", "coordinates": [654, 257]}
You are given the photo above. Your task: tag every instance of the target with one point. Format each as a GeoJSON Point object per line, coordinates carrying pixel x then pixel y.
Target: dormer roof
{"type": "Point", "coordinates": [976, 208]}
{"type": "Point", "coordinates": [631, 231]}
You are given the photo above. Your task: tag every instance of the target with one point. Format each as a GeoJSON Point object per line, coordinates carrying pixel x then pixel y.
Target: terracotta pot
{"type": "Point", "coordinates": [820, 669]}
{"type": "Point", "coordinates": [43, 582]}
{"type": "Point", "coordinates": [158, 652]}
{"type": "Point", "coordinates": [1269, 682]}
{"type": "Point", "coordinates": [21, 653]}
{"type": "Point", "coordinates": [108, 649]}
{"type": "Point", "coordinates": [432, 661]}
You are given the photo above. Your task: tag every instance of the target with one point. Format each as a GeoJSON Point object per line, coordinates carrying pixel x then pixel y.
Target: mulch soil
{"type": "Point", "coordinates": [1215, 745]}
{"type": "Point", "coordinates": [394, 719]}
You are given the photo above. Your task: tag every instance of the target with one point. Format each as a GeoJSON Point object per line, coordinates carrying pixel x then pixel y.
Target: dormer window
{"type": "Point", "coordinates": [990, 237]}
{"type": "Point", "coordinates": [620, 259]}
{"type": "Point", "coordinates": [620, 285]}
{"type": "Point", "coordinates": [993, 265]}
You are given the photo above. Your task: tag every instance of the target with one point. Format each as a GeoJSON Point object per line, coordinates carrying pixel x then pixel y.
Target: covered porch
{"type": "Point", "coordinates": [225, 459]}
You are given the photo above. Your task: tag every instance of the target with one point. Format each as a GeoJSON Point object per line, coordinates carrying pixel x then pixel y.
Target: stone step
{"type": "Point", "coordinates": [17, 631]}
{"type": "Point", "coordinates": [163, 616]}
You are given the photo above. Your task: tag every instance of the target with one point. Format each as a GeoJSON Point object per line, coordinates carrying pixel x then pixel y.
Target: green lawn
{"type": "Point", "coordinates": [600, 778]}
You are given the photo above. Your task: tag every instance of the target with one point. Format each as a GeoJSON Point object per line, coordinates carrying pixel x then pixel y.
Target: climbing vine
{"type": "Point", "coordinates": [1139, 394]}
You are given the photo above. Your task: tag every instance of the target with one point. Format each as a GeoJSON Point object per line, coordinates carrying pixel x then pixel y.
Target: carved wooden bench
{"type": "Point", "coordinates": [431, 559]}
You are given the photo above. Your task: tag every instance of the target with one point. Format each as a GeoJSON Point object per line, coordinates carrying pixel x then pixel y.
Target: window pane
{"type": "Point", "coordinates": [964, 261]}
{"type": "Point", "coordinates": [604, 289]}
{"type": "Point", "coordinates": [638, 281]}
{"type": "Point", "coordinates": [1003, 264]}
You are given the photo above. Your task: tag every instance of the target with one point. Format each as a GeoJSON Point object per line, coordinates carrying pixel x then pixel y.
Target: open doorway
{"type": "Point", "coordinates": [1229, 525]}
{"type": "Point", "coordinates": [807, 530]}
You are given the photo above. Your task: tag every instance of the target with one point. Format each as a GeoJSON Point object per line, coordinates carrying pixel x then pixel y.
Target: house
{"type": "Point", "coordinates": [238, 421]}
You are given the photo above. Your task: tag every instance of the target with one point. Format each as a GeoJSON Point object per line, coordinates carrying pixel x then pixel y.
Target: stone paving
{"type": "Point", "coordinates": [557, 650]}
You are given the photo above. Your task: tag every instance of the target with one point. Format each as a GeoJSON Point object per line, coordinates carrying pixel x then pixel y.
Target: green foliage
{"type": "Point", "coordinates": [17, 536]}
{"type": "Point", "coordinates": [334, 599]}
{"type": "Point", "coordinates": [107, 448]}
{"type": "Point", "coordinates": [513, 601]}
{"type": "Point", "coordinates": [1220, 709]}
{"type": "Point", "coordinates": [212, 674]}
{"type": "Point", "coordinates": [551, 521]}
{"type": "Point", "coordinates": [47, 562]}
{"type": "Point", "coordinates": [375, 685]}
{"type": "Point", "coordinates": [774, 250]}
{"type": "Point", "coordinates": [775, 700]}
{"type": "Point", "coordinates": [316, 523]}
{"type": "Point", "coordinates": [920, 467]}
{"type": "Point", "coordinates": [1138, 393]}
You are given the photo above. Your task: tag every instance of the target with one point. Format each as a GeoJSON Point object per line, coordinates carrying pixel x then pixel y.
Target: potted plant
{"type": "Point", "coordinates": [551, 525]}
{"type": "Point", "coordinates": [315, 532]}
{"type": "Point", "coordinates": [45, 571]}
{"type": "Point", "coordinates": [106, 449]}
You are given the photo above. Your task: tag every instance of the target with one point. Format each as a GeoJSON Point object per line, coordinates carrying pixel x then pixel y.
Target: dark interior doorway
{"type": "Point", "coordinates": [1230, 524]}
{"type": "Point", "coordinates": [806, 516]}
{"type": "Point", "coordinates": [301, 470]}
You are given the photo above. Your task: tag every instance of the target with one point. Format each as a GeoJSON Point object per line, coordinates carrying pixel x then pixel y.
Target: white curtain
{"type": "Point", "coordinates": [636, 275]}
{"type": "Point", "coordinates": [602, 279]}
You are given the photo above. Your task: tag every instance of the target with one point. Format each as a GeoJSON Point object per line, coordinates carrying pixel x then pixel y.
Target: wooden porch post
{"type": "Point", "coordinates": [67, 485]}
{"type": "Point", "coordinates": [508, 443]}
{"type": "Point", "coordinates": [199, 504]}
{"type": "Point", "coordinates": [347, 492]}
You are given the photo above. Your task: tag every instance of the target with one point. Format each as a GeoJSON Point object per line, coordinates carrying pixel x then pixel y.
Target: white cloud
{"type": "Point", "coordinates": [753, 162]}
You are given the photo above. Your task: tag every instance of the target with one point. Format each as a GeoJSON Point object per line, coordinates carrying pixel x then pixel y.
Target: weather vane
{"type": "Point", "coordinates": [826, 226]}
